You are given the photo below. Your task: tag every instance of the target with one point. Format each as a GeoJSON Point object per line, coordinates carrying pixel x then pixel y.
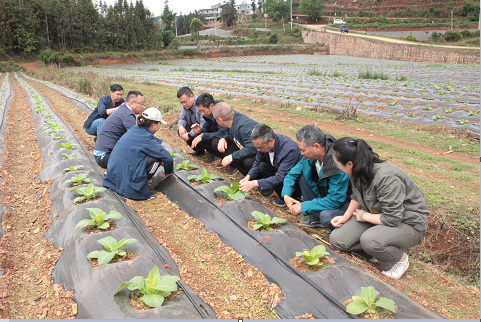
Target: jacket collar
{"type": "Point", "coordinates": [329, 168]}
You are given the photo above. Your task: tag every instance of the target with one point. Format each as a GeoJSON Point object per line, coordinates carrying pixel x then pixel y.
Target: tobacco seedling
{"type": "Point", "coordinates": [264, 221]}
{"type": "Point", "coordinates": [79, 179]}
{"type": "Point", "coordinates": [153, 289]}
{"type": "Point", "coordinates": [54, 130]}
{"type": "Point", "coordinates": [312, 258]}
{"type": "Point", "coordinates": [437, 117]}
{"type": "Point", "coordinates": [448, 110]}
{"type": "Point", "coordinates": [462, 122]}
{"type": "Point", "coordinates": [204, 177]}
{"type": "Point", "coordinates": [68, 156]}
{"type": "Point", "coordinates": [87, 193]}
{"type": "Point", "coordinates": [473, 113]}
{"type": "Point", "coordinates": [67, 146]}
{"type": "Point", "coordinates": [232, 192]}
{"type": "Point", "coordinates": [173, 154]}
{"type": "Point", "coordinates": [99, 219]}
{"type": "Point", "coordinates": [366, 302]}
{"type": "Point", "coordinates": [74, 168]}
{"type": "Point", "coordinates": [185, 166]}
{"type": "Point", "coordinates": [61, 138]}
{"type": "Point", "coordinates": [427, 108]}
{"type": "Point", "coordinates": [112, 249]}
{"type": "Point", "coordinates": [392, 103]}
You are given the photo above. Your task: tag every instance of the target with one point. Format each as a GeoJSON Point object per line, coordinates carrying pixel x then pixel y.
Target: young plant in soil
{"type": "Point", "coordinates": [78, 179]}
{"type": "Point", "coordinates": [154, 289]}
{"type": "Point", "coordinates": [185, 166]}
{"type": "Point", "coordinates": [67, 146]}
{"type": "Point", "coordinates": [68, 156]}
{"type": "Point", "coordinates": [312, 258]}
{"type": "Point", "coordinates": [54, 130]}
{"type": "Point", "coordinates": [264, 221]}
{"type": "Point", "coordinates": [173, 154]}
{"type": "Point", "coordinates": [204, 177]}
{"type": "Point", "coordinates": [232, 192]}
{"type": "Point", "coordinates": [112, 249]}
{"type": "Point", "coordinates": [99, 219]}
{"type": "Point", "coordinates": [87, 193]}
{"type": "Point", "coordinates": [74, 168]}
{"type": "Point", "coordinates": [365, 302]}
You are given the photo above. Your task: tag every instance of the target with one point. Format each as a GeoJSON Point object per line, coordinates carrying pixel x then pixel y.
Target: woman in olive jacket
{"type": "Point", "coordinates": [387, 210]}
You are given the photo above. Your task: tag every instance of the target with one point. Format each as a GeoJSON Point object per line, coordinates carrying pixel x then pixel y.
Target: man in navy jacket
{"type": "Point", "coordinates": [242, 153]}
{"type": "Point", "coordinates": [106, 106]}
{"type": "Point", "coordinates": [276, 155]}
{"type": "Point", "coordinates": [189, 117]}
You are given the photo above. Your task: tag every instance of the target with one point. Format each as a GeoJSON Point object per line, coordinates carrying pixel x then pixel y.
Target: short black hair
{"type": "Point", "coordinates": [263, 132]}
{"type": "Point", "coordinates": [184, 91]}
{"type": "Point", "coordinates": [204, 99]}
{"type": "Point", "coordinates": [133, 95]}
{"type": "Point", "coordinates": [311, 134]}
{"type": "Point", "coordinates": [116, 88]}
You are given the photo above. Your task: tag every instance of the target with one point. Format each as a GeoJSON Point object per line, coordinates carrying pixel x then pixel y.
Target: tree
{"type": "Point", "coordinates": [312, 8]}
{"type": "Point", "coordinates": [253, 5]}
{"type": "Point", "coordinates": [195, 26]}
{"type": "Point", "coordinates": [470, 9]}
{"type": "Point", "coordinates": [167, 17]}
{"type": "Point", "coordinates": [277, 9]}
{"type": "Point", "coordinates": [167, 37]}
{"type": "Point", "coordinates": [228, 14]}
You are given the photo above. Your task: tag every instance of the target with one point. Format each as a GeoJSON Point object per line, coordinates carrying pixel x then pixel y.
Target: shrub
{"type": "Point", "coordinates": [452, 35]}
{"type": "Point", "coordinates": [67, 58]}
{"type": "Point", "coordinates": [410, 37]}
{"type": "Point", "coordinates": [9, 66]}
{"type": "Point", "coordinates": [466, 33]}
{"type": "Point", "coordinates": [188, 52]}
{"type": "Point", "coordinates": [49, 56]}
{"type": "Point", "coordinates": [435, 36]}
{"type": "Point", "coordinates": [167, 37]}
{"type": "Point", "coordinates": [272, 39]}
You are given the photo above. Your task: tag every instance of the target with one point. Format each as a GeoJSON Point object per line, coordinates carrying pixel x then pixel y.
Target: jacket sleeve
{"type": "Point", "coordinates": [391, 193]}
{"type": "Point", "coordinates": [154, 149]}
{"type": "Point", "coordinates": [249, 148]}
{"type": "Point", "coordinates": [254, 171]}
{"type": "Point", "coordinates": [335, 198]}
{"type": "Point", "coordinates": [129, 121]}
{"type": "Point", "coordinates": [291, 178]}
{"type": "Point", "coordinates": [102, 108]}
{"type": "Point", "coordinates": [286, 164]}
{"type": "Point", "coordinates": [182, 118]}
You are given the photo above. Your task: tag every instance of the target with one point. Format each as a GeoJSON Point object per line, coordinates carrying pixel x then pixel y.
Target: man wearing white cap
{"type": "Point", "coordinates": [136, 157]}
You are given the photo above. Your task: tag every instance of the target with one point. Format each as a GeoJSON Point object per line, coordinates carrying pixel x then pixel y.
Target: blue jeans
{"type": "Point", "coordinates": [323, 216]}
{"type": "Point", "coordinates": [94, 128]}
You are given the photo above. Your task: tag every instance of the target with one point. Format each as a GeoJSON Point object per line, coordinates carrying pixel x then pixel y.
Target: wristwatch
{"type": "Point", "coordinates": [202, 135]}
{"type": "Point", "coordinates": [230, 158]}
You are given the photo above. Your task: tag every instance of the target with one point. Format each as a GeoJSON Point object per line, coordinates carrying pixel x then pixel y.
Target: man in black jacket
{"type": "Point", "coordinates": [276, 155]}
{"type": "Point", "coordinates": [242, 153]}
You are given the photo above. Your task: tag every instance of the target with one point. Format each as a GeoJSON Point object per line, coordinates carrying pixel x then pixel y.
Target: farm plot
{"type": "Point", "coordinates": [410, 92]}
{"type": "Point", "coordinates": [148, 209]}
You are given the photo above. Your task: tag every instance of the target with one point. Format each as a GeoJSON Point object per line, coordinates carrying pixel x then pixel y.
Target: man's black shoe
{"type": "Point", "coordinates": [212, 158]}
{"type": "Point", "coordinates": [95, 139]}
{"type": "Point", "coordinates": [266, 192]}
{"type": "Point", "coordinates": [197, 153]}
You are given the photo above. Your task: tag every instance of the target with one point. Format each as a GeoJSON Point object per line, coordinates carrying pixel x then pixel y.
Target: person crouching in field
{"type": "Point", "coordinates": [387, 210]}
{"type": "Point", "coordinates": [137, 156]}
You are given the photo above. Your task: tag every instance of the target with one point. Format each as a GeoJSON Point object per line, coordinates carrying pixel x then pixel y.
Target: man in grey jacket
{"type": "Point", "coordinates": [189, 117]}
{"type": "Point", "coordinates": [276, 155]}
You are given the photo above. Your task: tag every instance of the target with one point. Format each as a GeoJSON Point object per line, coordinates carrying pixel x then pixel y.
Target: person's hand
{"type": "Point", "coordinates": [358, 212]}
{"type": "Point", "coordinates": [196, 128]}
{"type": "Point", "coordinates": [196, 141]}
{"type": "Point", "coordinates": [226, 161]}
{"type": "Point", "coordinates": [246, 178]}
{"type": "Point", "coordinates": [247, 186]}
{"type": "Point", "coordinates": [338, 221]}
{"type": "Point", "coordinates": [185, 137]}
{"type": "Point", "coordinates": [293, 206]}
{"type": "Point", "coordinates": [222, 145]}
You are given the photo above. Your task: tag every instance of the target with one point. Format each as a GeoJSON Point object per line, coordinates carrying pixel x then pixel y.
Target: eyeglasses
{"type": "Point", "coordinates": [141, 104]}
{"type": "Point", "coordinates": [184, 102]}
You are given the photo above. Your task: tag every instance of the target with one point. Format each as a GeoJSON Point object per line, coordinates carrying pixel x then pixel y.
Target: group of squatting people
{"type": "Point", "coordinates": [372, 207]}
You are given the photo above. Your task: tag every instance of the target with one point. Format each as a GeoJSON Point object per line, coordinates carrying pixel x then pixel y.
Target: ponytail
{"type": "Point", "coordinates": [143, 121]}
{"type": "Point", "coordinates": [362, 157]}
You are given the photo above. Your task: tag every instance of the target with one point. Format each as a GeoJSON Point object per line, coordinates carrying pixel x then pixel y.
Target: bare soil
{"type": "Point", "coordinates": [300, 264]}
{"type": "Point", "coordinates": [94, 230]}
{"type": "Point", "coordinates": [130, 255]}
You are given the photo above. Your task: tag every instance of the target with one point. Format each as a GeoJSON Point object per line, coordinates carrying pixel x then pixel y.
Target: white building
{"type": "Point", "coordinates": [212, 13]}
{"type": "Point", "coordinates": [244, 9]}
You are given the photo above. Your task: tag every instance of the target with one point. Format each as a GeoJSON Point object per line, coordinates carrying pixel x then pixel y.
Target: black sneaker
{"type": "Point", "coordinates": [279, 203]}
{"type": "Point", "coordinates": [212, 158]}
{"type": "Point", "coordinates": [266, 192]}
{"type": "Point", "coordinates": [231, 170]}
{"type": "Point", "coordinates": [152, 195]}
{"type": "Point", "coordinates": [311, 223]}
{"type": "Point", "coordinates": [197, 153]}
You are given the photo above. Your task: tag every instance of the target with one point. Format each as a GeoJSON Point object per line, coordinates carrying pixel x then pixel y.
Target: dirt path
{"type": "Point", "coordinates": [391, 40]}
{"type": "Point", "coordinates": [27, 289]}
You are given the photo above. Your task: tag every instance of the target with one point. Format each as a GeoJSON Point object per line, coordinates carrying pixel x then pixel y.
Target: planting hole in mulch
{"type": "Point", "coordinates": [138, 304]}
{"type": "Point", "coordinates": [94, 230]}
{"type": "Point", "coordinates": [305, 316]}
{"type": "Point", "coordinates": [381, 313]}
{"type": "Point", "coordinates": [299, 264]}
{"type": "Point", "coordinates": [86, 200]}
{"type": "Point", "coordinates": [250, 225]}
{"type": "Point", "coordinates": [130, 255]}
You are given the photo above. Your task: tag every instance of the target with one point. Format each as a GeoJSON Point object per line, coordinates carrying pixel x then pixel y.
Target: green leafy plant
{"type": "Point", "coordinates": [61, 138]}
{"type": "Point", "coordinates": [204, 177]}
{"type": "Point", "coordinates": [54, 130]}
{"type": "Point", "coordinates": [87, 193]}
{"type": "Point", "coordinates": [232, 192]}
{"type": "Point", "coordinates": [74, 168]}
{"type": "Point", "coordinates": [67, 146]}
{"type": "Point", "coordinates": [473, 113]}
{"type": "Point", "coordinates": [312, 258]}
{"type": "Point", "coordinates": [68, 156]}
{"type": "Point", "coordinates": [185, 166]}
{"type": "Point", "coordinates": [112, 249]}
{"type": "Point", "coordinates": [366, 302]}
{"type": "Point", "coordinates": [173, 154]}
{"type": "Point", "coordinates": [427, 108]}
{"type": "Point", "coordinates": [153, 289]}
{"type": "Point", "coordinates": [392, 103]}
{"type": "Point", "coordinates": [264, 221]}
{"type": "Point", "coordinates": [437, 117]}
{"type": "Point", "coordinates": [99, 219]}
{"type": "Point", "coordinates": [448, 110]}
{"type": "Point", "coordinates": [79, 179]}
{"type": "Point", "coordinates": [462, 122]}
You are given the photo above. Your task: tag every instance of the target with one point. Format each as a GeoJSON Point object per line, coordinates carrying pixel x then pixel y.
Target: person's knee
{"type": "Point", "coordinates": [373, 242]}
{"type": "Point", "coordinates": [335, 238]}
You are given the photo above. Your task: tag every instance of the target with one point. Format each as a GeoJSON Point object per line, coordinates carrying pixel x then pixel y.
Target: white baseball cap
{"type": "Point", "coordinates": [153, 114]}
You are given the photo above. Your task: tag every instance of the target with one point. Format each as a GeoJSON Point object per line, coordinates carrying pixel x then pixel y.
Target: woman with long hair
{"type": "Point", "coordinates": [387, 212]}
{"type": "Point", "coordinates": [136, 157]}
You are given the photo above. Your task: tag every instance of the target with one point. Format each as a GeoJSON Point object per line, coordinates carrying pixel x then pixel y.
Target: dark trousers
{"type": "Point", "coordinates": [200, 147]}
{"type": "Point", "coordinates": [267, 170]}
{"type": "Point", "coordinates": [211, 147]}
{"type": "Point", "coordinates": [103, 160]}
{"type": "Point", "coordinates": [243, 165]}
{"type": "Point", "coordinates": [324, 216]}
{"type": "Point", "coordinates": [152, 166]}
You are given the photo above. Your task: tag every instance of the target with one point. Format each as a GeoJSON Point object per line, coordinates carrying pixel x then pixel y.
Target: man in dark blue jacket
{"type": "Point", "coordinates": [210, 133]}
{"type": "Point", "coordinates": [189, 117]}
{"type": "Point", "coordinates": [276, 155]}
{"type": "Point", "coordinates": [325, 189]}
{"type": "Point", "coordinates": [106, 106]}
{"type": "Point", "coordinates": [242, 153]}
{"type": "Point", "coordinates": [116, 126]}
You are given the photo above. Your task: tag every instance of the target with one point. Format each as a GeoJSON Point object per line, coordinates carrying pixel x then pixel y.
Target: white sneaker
{"type": "Point", "coordinates": [373, 260]}
{"type": "Point", "coordinates": [398, 269]}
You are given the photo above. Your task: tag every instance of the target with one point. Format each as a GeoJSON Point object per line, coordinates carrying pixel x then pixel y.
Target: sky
{"type": "Point", "coordinates": [184, 6]}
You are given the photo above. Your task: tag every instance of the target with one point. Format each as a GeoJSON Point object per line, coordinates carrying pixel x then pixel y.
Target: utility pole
{"type": "Point", "coordinates": [265, 20]}
{"type": "Point", "coordinates": [451, 19]}
{"type": "Point", "coordinates": [175, 23]}
{"type": "Point", "coordinates": [291, 14]}
{"type": "Point", "coordinates": [215, 22]}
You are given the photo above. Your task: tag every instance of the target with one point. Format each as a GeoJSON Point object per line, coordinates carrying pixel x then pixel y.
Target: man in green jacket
{"type": "Point", "coordinates": [325, 189]}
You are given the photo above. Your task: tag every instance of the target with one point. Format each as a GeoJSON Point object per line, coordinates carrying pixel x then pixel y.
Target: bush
{"type": "Point", "coordinates": [9, 66]}
{"type": "Point", "coordinates": [409, 37]}
{"type": "Point", "coordinates": [167, 37]}
{"type": "Point", "coordinates": [452, 35]}
{"type": "Point", "coordinates": [175, 44]}
{"type": "Point", "coordinates": [466, 33]}
{"type": "Point", "coordinates": [84, 85]}
{"type": "Point", "coordinates": [435, 36]}
{"type": "Point", "coordinates": [272, 38]}
{"type": "Point", "coordinates": [188, 52]}
{"type": "Point", "coordinates": [67, 58]}
{"type": "Point", "coordinates": [49, 56]}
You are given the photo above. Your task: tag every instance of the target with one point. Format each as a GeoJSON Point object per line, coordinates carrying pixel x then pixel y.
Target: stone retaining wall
{"type": "Point", "coordinates": [354, 46]}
